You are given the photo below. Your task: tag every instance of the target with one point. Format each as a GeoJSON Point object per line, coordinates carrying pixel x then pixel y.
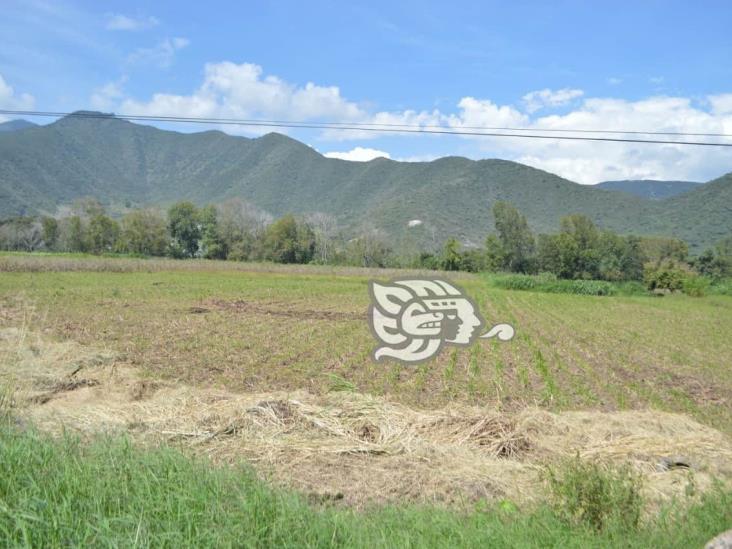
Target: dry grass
{"type": "Point", "coordinates": [350, 446]}
{"type": "Point", "coordinates": [41, 262]}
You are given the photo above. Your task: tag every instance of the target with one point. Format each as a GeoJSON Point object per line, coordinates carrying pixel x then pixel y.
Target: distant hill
{"type": "Point", "coordinates": [649, 188]}
{"type": "Point", "coordinates": [14, 125]}
{"type": "Point", "coordinates": [118, 161]}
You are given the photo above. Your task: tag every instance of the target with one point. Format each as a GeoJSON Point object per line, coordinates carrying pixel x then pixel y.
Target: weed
{"type": "Point", "coordinates": [598, 496]}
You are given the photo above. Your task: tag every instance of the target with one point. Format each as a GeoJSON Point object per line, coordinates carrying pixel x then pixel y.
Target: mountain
{"type": "Point", "coordinates": [649, 188]}
{"type": "Point", "coordinates": [119, 162]}
{"type": "Point", "coordinates": [704, 214]}
{"type": "Point", "coordinates": [14, 125]}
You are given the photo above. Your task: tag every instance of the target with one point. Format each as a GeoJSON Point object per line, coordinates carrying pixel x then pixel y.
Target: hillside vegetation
{"type": "Point", "coordinates": [649, 188]}
{"type": "Point", "coordinates": [125, 164]}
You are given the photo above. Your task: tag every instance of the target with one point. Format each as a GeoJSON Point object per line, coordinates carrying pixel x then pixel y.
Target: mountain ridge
{"type": "Point", "coordinates": [122, 162]}
{"type": "Point", "coordinates": [15, 125]}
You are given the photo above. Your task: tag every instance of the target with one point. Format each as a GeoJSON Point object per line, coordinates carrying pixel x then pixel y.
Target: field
{"type": "Point", "coordinates": [271, 365]}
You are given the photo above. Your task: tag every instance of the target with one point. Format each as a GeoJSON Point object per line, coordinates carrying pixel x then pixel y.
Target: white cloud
{"type": "Point", "coordinates": [106, 97]}
{"type": "Point", "coordinates": [119, 22]}
{"type": "Point", "coordinates": [231, 90]}
{"type": "Point", "coordinates": [11, 100]}
{"type": "Point", "coordinates": [539, 99]}
{"type": "Point", "coordinates": [614, 81]}
{"type": "Point", "coordinates": [721, 104]}
{"type": "Point", "coordinates": [160, 55]}
{"type": "Point", "coordinates": [590, 162]}
{"type": "Point", "coordinates": [358, 154]}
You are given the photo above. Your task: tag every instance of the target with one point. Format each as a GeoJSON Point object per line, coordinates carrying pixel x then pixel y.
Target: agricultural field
{"type": "Point", "coordinates": [270, 365]}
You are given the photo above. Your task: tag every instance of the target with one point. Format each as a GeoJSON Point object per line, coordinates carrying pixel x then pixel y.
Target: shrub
{"type": "Point", "coordinates": [696, 286]}
{"type": "Point", "coordinates": [665, 275]}
{"type": "Point", "coordinates": [590, 494]}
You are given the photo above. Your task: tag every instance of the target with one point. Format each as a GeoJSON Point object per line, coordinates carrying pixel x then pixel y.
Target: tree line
{"type": "Point", "coordinates": [236, 230]}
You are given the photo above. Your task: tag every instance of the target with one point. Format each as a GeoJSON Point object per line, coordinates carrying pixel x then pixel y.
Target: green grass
{"type": "Point", "coordinates": [108, 493]}
{"type": "Point", "coordinates": [546, 282]}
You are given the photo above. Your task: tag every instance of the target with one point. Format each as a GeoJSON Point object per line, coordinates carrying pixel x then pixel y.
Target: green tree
{"type": "Point", "coordinates": [289, 241]}
{"type": "Point", "coordinates": [102, 234]}
{"type": "Point", "coordinates": [517, 241]}
{"type": "Point", "coordinates": [579, 247]}
{"type": "Point", "coordinates": [241, 227]}
{"type": "Point", "coordinates": [50, 232]}
{"type": "Point", "coordinates": [451, 258]}
{"type": "Point", "coordinates": [76, 238]}
{"type": "Point", "coordinates": [716, 262]}
{"type": "Point", "coordinates": [213, 245]}
{"type": "Point", "coordinates": [657, 249]}
{"type": "Point", "coordinates": [184, 228]}
{"type": "Point", "coordinates": [494, 257]}
{"type": "Point", "coordinates": [632, 259]}
{"type": "Point", "coordinates": [143, 232]}
{"type": "Point", "coordinates": [473, 261]}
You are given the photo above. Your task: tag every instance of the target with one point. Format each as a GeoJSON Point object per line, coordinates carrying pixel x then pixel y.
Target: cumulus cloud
{"type": "Point", "coordinates": [105, 97]}
{"type": "Point", "coordinates": [160, 55]}
{"type": "Point", "coordinates": [11, 100]}
{"type": "Point", "coordinates": [540, 99]}
{"type": "Point", "coordinates": [244, 91]}
{"type": "Point", "coordinates": [119, 22]}
{"type": "Point", "coordinates": [721, 104]}
{"type": "Point", "coordinates": [358, 154]}
{"type": "Point", "coordinates": [231, 90]}
{"type": "Point", "coordinates": [591, 162]}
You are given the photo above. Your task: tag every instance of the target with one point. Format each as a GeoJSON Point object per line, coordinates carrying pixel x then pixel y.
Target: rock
{"type": "Point", "coordinates": [722, 541]}
{"type": "Point", "coordinates": [674, 462]}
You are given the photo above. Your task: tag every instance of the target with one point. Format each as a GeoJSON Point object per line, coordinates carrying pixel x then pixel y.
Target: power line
{"type": "Point", "coordinates": [366, 124]}
{"type": "Point", "coordinates": [383, 128]}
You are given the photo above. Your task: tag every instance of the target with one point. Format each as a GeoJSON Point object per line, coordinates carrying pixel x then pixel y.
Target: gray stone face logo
{"type": "Point", "coordinates": [413, 318]}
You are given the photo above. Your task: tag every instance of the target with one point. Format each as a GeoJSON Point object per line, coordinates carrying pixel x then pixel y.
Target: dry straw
{"type": "Point", "coordinates": [356, 447]}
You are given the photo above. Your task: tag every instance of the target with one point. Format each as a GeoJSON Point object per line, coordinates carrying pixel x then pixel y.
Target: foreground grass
{"type": "Point", "coordinates": [108, 493]}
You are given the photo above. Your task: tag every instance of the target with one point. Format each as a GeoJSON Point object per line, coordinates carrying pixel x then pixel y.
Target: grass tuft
{"type": "Point", "coordinates": [600, 497]}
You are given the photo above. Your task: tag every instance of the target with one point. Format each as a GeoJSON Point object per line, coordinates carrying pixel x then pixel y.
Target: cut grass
{"type": "Point", "coordinates": [109, 493]}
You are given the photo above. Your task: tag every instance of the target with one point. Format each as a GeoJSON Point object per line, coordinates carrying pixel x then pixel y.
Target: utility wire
{"type": "Point", "coordinates": [384, 128]}
{"type": "Point", "coordinates": [368, 124]}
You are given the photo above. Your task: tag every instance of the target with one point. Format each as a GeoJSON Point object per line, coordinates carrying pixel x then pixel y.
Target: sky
{"type": "Point", "coordinates": [621, 65]}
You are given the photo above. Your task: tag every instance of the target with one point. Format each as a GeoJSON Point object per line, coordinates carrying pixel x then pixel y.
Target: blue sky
{"type": "Point", "coordinates": [655, 65]}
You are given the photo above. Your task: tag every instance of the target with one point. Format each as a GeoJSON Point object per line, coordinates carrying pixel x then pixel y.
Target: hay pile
{"type": "Point", "coordinates": [355, 447]}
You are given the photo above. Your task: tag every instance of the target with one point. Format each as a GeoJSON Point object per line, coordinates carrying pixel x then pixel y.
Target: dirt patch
{"type": "Point", "coordinates": [281, 309]}
{"type": "Point", "coordinates": [355, 449]}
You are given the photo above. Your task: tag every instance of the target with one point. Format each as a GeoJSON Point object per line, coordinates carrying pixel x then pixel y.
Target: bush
{"type": "Point", "coordinates": [696, 286]}
{"type": "Point", "coordinates": [591, 287]}
{"type": "Point", "coordinates": [665, 275]}
{"type": "Point", "coordinates": [547, 282]}
{"type": "Point", "coordinates": [721, 287]}
{"type": "Point", "coordinates": [587, 493]}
